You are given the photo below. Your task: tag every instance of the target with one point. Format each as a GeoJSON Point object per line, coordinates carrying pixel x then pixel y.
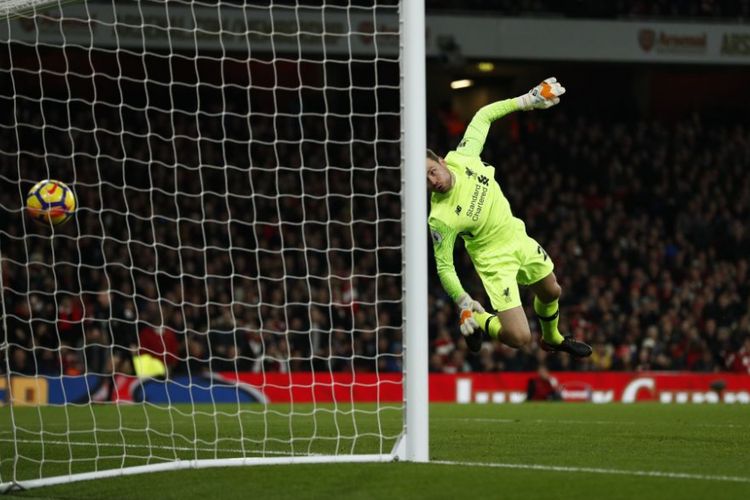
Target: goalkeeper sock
{"type": "Point", "coordinates": [488, 322]}
{"type": "Point", "coordinates": [549, 315]}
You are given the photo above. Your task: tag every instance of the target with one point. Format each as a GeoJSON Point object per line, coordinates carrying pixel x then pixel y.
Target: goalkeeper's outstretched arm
{"type": "Point", "coordinates": [543, 96]}
{"type": "Point", "coordinates": [443, 240]}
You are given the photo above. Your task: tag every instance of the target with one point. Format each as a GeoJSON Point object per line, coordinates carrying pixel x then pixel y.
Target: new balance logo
{"type": "Point", "coordinates": [458, 209]}
{"type": "Point", "coordinates": [506, 294]}
{"type": "Point", "coordinates": [469, 172]}
{"type": "Point", "coordinates": [437, 238]}
{"type": "Point", "coordinates": [483, 180]}
{"type": "Point", "coordinates": [541, 251]}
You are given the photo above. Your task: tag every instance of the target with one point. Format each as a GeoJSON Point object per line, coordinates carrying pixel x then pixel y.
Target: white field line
{"type": "Point", "coordinates": [551, 468]}
{"type": "Point", "coordinates": [577, 422]}
{"type": "Point", "coordinates": [147, 447]}
{"type": "Point", "coordinates": [596, 470]}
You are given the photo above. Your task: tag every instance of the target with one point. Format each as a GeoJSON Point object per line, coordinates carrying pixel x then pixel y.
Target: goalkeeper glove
{"type": "Point", "coordinates": [468, 307]}
{"type": "Point", "coordinates": [543, 96]}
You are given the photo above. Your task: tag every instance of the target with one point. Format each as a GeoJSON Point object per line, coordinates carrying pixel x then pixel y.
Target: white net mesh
{"type": "Point", "coordinates": [237, 241]}
{"type": "Point", "coordinates": [18, 7]}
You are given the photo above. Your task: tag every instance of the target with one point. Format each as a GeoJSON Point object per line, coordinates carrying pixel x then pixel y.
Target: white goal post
{"type": "Point", "coordinates": [244, 280]}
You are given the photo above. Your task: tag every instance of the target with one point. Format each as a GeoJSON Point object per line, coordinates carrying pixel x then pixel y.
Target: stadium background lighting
{"type": "Point", "coordinates": [461, 84]}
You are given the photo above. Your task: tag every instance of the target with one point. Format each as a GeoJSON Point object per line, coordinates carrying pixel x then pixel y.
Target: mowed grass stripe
{"type": "Point", "coordinates": [515, 451]}
{"type": "Point", "coordinates": [157, 434]}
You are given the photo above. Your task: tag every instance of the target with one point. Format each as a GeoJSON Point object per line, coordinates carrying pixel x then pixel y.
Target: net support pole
{"type": "Point", "coordinates": [415, 219]}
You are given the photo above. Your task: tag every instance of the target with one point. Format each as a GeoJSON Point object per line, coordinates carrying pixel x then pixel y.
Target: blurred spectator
{"type": "Point", "coordinates": [542, 387]}
{"type": "Point", "coordinates": [436, 363]}
{"type": "Point", "coordinates": [601, 358]}
{"type": "Point", "coordinates": [69, 316]}
{"type": "Point", "coordinates": [115, 322]}
{"type": "Point", "coordinates": [706, 363]}
{"type": "Point", "coordinates": [96, 351]}
{"type": "Point", "coordinates": [454, 126]}
{"type": "Point", "coordinates": [457, 363]}
{"type": "Point", "coordinates": [444, 346]}
{"type": "Point", "coordinates": [159, 342]}
{"type": "Point", "coordinates": [19, 362]}
{"type": "Point", "coordinates": [739, 361]}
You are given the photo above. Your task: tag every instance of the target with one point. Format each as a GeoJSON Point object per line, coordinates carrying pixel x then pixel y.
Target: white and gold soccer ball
{"type": "Point", "coordinates": [50, 202]}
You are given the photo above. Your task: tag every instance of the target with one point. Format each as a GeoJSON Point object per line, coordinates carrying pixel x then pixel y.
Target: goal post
{"type": "Point", "coordinates": [415, 245]}
{"type": "Point", "coordinates": [244, 280]}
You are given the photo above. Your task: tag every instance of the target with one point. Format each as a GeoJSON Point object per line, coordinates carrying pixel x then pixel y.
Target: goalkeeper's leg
{"type": "Point", "coordinates": [509, 327]}
{"type": "Point", "coordinates": [546, 305]}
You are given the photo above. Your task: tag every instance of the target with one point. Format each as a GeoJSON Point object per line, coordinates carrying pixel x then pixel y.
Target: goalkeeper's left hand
{"type": "Point", "coordinates": [543, 96]}
{"type": "Point", "coordinates": [468, 307]}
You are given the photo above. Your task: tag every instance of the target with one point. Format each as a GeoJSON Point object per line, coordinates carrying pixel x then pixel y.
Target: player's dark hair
{"type": "Point", "coordinates": [432, 156]}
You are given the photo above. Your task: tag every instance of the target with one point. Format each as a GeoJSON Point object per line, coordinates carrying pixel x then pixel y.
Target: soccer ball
{"type": "Point", "coordinates": [50, 202]}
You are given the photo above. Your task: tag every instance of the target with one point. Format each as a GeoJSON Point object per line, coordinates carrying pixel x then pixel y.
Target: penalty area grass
{"type": "Point", "coordinates": [533, 450]}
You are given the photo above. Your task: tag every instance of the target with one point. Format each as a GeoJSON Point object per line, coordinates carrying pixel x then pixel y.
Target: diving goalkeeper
{"type": "Point", "coordinates": [466, 201]}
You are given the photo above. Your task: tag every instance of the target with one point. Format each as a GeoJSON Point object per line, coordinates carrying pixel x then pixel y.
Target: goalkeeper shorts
{"type": "Point", "coordinates": [503, 267]}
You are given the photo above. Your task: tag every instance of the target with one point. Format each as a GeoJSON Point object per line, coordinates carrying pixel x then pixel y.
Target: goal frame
{"type": "Point", "coordinates": [413, 445]}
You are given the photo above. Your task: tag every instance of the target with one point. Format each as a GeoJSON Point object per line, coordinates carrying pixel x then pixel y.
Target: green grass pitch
{"type": "Point", "coordinates": [529, 451]}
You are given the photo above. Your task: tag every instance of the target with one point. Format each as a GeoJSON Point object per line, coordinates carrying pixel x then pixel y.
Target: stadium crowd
{"type": "Point", "coordinates": [725, 10]}
{"type": "Point", "coordinates": [624, 9]}
{"type": "Point", "coordinates": [211, 250]}
{"type": "Point", "coordinates": [730, 10]}
{"type": "Point", "coordinates": [218, 242]}
{"type": "Point", "coordinates": [647, 225]}
{"type": "Point", "coordinates": [646, 222]}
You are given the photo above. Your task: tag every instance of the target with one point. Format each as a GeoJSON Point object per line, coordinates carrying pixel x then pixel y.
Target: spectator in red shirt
{"type": "Point", "coordinates": [739, 362]}
{"type": "Point", "coordinates": [159, 342]}
{"type": "Point", "coordinates": [542, 387]}
{"type": "Point", "coordinates": [69, 316]}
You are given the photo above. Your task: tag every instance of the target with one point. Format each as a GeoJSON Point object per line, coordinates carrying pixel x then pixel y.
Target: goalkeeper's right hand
{"type": "Point", "coordinates": [468, 307]}
{"type": "Point", "coordinates": [543, 96]}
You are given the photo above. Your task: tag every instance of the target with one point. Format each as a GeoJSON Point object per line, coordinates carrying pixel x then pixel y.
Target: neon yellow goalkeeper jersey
{"type": "Point", "coordinates": [475, 208]}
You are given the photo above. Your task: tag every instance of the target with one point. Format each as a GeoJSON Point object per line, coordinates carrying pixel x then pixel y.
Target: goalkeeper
{"type": "Point", "coordinates": [466, 201]}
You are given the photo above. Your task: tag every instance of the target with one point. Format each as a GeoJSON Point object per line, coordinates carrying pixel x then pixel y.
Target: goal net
{"type": "Point", "coordinates": [230, 289]}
